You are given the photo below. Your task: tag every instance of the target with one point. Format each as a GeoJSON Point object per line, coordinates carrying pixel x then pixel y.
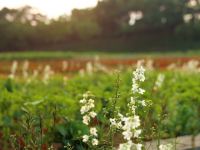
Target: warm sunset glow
{"type": "Point", "coordinates": [51, 8]}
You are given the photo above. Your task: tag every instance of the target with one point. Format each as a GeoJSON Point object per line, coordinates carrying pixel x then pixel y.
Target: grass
{"type": "Point", "coordinates": [91, 54]}
{"type": "Point", "coordinates": [55, 106]}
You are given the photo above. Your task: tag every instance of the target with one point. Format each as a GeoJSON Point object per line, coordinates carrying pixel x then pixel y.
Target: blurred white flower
{"type": "Point", "coordinates": [139, 74]}
{"type": "Point", "coordinates": [85, 95]}
{"type": "Point", "coordinates": [192, 3]}
{"type": "Point", "coordinates": [89, 68]}
{"type": "Point", "coordinates": [92, 114]}
{"type": "Point", "coordinates": [159, 81]}
{"type": "Point", "coordinates": [83, 101]}
{"type": "Point", "coordinates": [143, 103]}
{"type": "Point", "coordinates": [85, 138]}
{"type": "Point", "coordinates": [13, 70]}
{"type": "Point", "coordinates": [131, 122]}
{"type": "Point", "coordinates": [93, 131]}
{"type": "Point", "coordinates": [138, 146]}
{"type": "Point", "coordinates": [87, 109]}
{"type": "Point", "coordinates": [113, 122]}
{"type": "Point", "coordinates": [137, 133]}
{"type": "Point", "coordinates": [84, 109]}
{"type": "Point", "coordinates": [127, 134]}
{"type": "Point", "coordinates": [47, 73]}
{"type": "Point", "coordinates": [191, 66]}
{"type": "Point", "coordinates": [95, 142]}
{"type": "Point", "coordinates": [126, 146]}
{"type": "Point", "coordinates": [134, 16]}
{"type": "Point", "coordinates": [187, 18]}
{"type": "Point", "coordinates": [141, 91]}
{"type": "Point", "coordinates": [86, 119]}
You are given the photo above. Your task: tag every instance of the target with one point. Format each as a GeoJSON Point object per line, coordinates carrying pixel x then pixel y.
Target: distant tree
{"type": "Point", "coordinates": [83, 24]}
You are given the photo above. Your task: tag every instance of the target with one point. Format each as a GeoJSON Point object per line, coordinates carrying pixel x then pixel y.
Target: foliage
{"type": "Point", "coordinates": [25, 28]}
{"type": "Point", "coordinates": [38, 114]}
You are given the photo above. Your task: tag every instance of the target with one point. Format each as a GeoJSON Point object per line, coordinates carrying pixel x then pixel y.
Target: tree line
{"type": "Point", "coordinates": [25, 28]}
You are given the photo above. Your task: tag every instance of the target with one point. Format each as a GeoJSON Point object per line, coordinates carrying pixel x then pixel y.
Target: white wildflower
{"type": "Point", "coordinates": [134, 86]}
{"type": "Point", "coordinates": [87, 109]}
{"type": "Point", "coordinates": [83, 101]}
{"type": "Point", "coordinates": [119, 125]}
{"type": "Point", "coordinates": [92, 114]}
{"type": "Point", "coordinates": [13, 70]}
{"type": "Point", "coordinates": [89, 68]}
{"type": "Point", "coordinates": [91, 103]}
{"type": "Point", "coordinates": [137, 133]}
{"type": "Point", "coordinates": [132, 102]}
{"type": "Point", "coordinates": [95, 142]}
{"type": "Point", "coordinates": [127, 134]}
{"type": "Point", "coordinates": [85, 95]}
{"type": "Point", "coordinates": [85, 138]}
{"type": "Point", "coordinates": [84, 109]}
{"type": "Point", "coordinates": [141, 91]}
{"type": "Point", "coordinates": [87, 106]}
{"type": "Point", "coordinates": [93, 131]}
{"type": "Point", "coordinates": [159, 81]}
{"type": "Point", "coordinates": [126, 146]}
{"type": "Point", "coordinates": [86, 119]}
{"type": "Point", "coordinates": [138, 146]}
{"type": "Point", "coordinates": [47, 73]}
{"type": "Point", "coordinates": [143, 103]}
{"type": "Point", "coordinates": [113, 122]}
{"type": "Point", "coordinates": [191, 66]}
{"type": "Point", "coordinates": [130, 146]}
{"type": "Point", "coordinates": [139, 74]}
{"type": "Point", "coordinates": [131, 122]}
{"type": "Point", "coordinates": [136, 121]}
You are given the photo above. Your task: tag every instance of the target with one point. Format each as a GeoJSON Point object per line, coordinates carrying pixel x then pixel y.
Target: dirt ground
{"type": "Point", "coordinates": [73, 65]}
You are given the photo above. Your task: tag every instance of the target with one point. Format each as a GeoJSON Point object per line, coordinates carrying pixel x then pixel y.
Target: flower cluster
{"type": "Point", "coordinates": [130, 123]}
{"type": "Point", "coordinates": [116, 122]}
{"type": "Point", "coordinates": [87, 110]}
{"type": "Point", "coordinates": [92, 137]}
{"type": "Point", "coordinates": [138, 76]}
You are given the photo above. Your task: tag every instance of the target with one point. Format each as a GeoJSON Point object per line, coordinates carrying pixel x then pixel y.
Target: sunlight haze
{"type": "Point", "coordinates": [50, 8]}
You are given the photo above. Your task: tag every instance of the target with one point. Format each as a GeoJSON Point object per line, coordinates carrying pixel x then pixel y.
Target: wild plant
{"type": "Point", "coordinates": [127, 124]}
{"type": "Point", "coordinates": [13, 70]}
{"type": "Point", "coordinates": [25, 68]}
{"type": "Point", "coordinates": [87, 110]}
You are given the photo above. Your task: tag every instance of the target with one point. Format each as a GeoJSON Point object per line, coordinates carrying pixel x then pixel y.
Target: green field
{"type": "Point", "coordinates": [88, 54]}
{"type": "Point", "coordinates": [41, 113]}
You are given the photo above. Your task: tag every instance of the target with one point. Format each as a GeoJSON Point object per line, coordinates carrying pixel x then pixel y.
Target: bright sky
{"type": "Point", "coordinates": [51, 8]}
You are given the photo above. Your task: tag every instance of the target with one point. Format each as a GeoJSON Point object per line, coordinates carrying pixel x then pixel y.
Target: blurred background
{"type": "Point", "coordinates": [53, 51]}
{"type": "Point", "coordinates": [100, 25]}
